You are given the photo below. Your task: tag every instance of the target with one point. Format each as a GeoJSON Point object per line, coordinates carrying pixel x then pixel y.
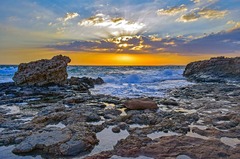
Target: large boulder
{"type": "Point", "coordinates": [141, 104]}
{"type": "Point", "coordinates": [214, 70]}
{"type": "Point", "coordinates": [43, 72]}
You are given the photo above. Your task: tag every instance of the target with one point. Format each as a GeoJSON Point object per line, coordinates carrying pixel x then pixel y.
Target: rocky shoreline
{"type": "Point", "coordinates": [66, 121]}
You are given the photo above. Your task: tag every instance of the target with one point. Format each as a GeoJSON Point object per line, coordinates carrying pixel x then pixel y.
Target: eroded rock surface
{"type": "Point", "coordinates": [138, 104]}
{"type": "Point", "coordinates": [43, 72]}
{"type": "Point", "coordinates": [214, 70]}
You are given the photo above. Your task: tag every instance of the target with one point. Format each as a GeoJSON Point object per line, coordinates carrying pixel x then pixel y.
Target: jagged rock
{"type": "Point", "coordinates": [214, 70]}
{"type": "Point", "coordinates": [43, 72]}
{"type": "Point", "coordinates": [85, 82]}
{"type": "Point", "coordinates": [138, 104]}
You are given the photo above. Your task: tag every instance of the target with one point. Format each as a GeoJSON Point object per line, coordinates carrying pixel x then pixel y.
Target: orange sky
{"type": "Point", "coordinates": [15, 56]}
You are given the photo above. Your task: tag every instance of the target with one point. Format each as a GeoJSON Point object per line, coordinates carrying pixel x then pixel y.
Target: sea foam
{"type": "Point", "coordinates": [122, 81]}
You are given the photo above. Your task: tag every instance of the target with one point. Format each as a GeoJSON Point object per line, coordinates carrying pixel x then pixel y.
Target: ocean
{"type": "Point", "coordinates": [123, 81]}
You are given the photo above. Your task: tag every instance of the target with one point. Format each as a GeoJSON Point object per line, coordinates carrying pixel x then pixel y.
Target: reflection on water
{"type": "Point", "coordinates": [161, 134]}
{"type": "Point", "coordinates": [186, 111]}
{"type": "Point", "coordinates": [183, 157]}
{"type": "Point", "coordinates": [59, 125]}
{"type": "Point", "coordinates": [6, 153]}
{"type": "Point", "coordinates": [109, 105]}
{"type": "Point", "coordinates": [195, 135]}
{"type": "Point", "coordinates": [138, 126]}
{"type": "Point", "coordinates": [108, 139]}
{"type": "Point", "coordinates": [233, 142]}
{"type": "Point", "coordinates": [140, 157]}
{"type": "Point", "coordinates": [201, 127]}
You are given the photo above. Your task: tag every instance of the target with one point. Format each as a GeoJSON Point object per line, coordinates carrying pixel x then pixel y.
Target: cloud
{"type": "Point", "coordinates": [116, 26]}
{"type": "Point", "coordinates": [212, 14]}
{"type": "Point", "coordinates": [202, 13]}
{"type": "Point", "coordinates": [236, 25]}
{"type": "Point", "coordinates": [199, 1]}
{"type": "Point", "coordinates": [70, 16]}
{"type": "Point", "coordinates": [66, 18]}
{"type": "Point", "coordinates": [191, 17]}
{"type": "Point", "coordinates": [195, 1]}
{"type": "Point", "coordinates": [215, 43]}
{"type": "Point", "coordinates": [172, 11]}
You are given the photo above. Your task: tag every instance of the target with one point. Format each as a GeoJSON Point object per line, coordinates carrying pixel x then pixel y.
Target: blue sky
{"type": "Point", "coordinates": [187, 27]}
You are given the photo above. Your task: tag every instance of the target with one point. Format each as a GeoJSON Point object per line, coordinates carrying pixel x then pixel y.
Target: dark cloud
{"type": "Point", "coordinates": [222, 42]}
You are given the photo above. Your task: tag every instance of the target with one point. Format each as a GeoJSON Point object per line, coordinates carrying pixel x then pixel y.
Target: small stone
{"type": "Point", "coordinates": [116, 129]}
{"type": "Point", "coordinates": [19, 140]}
{"type": "Point", "coordinates": [122, 126]}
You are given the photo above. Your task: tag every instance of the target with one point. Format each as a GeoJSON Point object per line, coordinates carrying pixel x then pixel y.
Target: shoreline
{"type": "Point", "coordinates": [46, 114]}
{"type": "Point", "coordinates": [205, 112]}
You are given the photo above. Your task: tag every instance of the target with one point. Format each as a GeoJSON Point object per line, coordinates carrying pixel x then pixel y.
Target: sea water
{"type": "Point", "coordinates": [123, 81]}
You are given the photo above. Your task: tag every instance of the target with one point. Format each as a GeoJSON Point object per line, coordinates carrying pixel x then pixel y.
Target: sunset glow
{"type": "Point", "coordinates": [119, 33]}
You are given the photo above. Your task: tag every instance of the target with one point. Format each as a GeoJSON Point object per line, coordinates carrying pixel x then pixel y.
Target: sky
{"type": "Point", "coordinates": [119, 32]}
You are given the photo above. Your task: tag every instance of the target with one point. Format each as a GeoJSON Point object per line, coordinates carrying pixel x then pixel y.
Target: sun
{"type": "Point", "coordinates": [125, 59]}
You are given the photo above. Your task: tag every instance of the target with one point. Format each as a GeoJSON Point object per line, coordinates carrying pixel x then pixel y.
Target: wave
{"type": "Point", "coordinates": [150, 76]}
{"type": "Point", "coordinates": [122, 81]}
{"type": "Point", "coordinates": [6, 73]}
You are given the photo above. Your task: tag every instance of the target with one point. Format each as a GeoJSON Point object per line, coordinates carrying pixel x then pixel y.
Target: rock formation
{"type": "Point", "coordinates": [43, 72]}
{"type": "Point", "coordinates": [214, 70]}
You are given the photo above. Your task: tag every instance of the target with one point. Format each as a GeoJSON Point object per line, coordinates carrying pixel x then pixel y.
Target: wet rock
{"type": "Point", "coordinates": [43, 72]}
{"type": "Point", "coordinates": [214, 70]}
{"type": "Point", "coordinates": [46, 141]}
{"type": "Point", "coordinates": [139, 104]}
{"type": "Point", "coordinates": [98, 81]}
{"type": "Point", "coordinates": [130, 147]}
{"type": "Point", "coordinates": [85, 82]}
{"type": "Point", "coordinates": [72, 148]}
{"type": "Point", "coordinates": [174, 146]}
{"type": "Point", "coordinates": [92, 117]}
{"type": "Point", "coordinates": [169, 102]}
{"type": "Point", "coordinates": [52, 118]}
{"type": "Point", "coordinates": [116, 129]}
{"type": "Point", "coordinates": [73, 100]}
{"type": "Point", "coordinates": [69, 141]}
{"type": "Point", "coordinates": [122, 125]}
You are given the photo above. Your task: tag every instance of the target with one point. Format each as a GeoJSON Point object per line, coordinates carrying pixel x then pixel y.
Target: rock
{"type": "Point", "coordinates": [69, 141]}
{"type": "Point", "coordinates": [72, 148]}
{"type": "Point", "coordinates": [214, 70]}
{"type": "Point", "coordinates": [43, 72]}
{"type": "Point", "coordinates": [85, 82]}
{"type": "Point", "coordinates": [122, 125]}
{"type": "Point", "coordinates": [45, 141]}
{"type": "Point", "coordinates": [169, 102]}
{"type": "Point", "coordinates": [130, 147]}
{"type": "Point", "coordinates": [116, 129]}
{"type": "Point", "coordinates": [173, 146]}
{"type": "Point", "coordinates": [92, 117]}
{"type": "Point", "coordinates": [139, 104]}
